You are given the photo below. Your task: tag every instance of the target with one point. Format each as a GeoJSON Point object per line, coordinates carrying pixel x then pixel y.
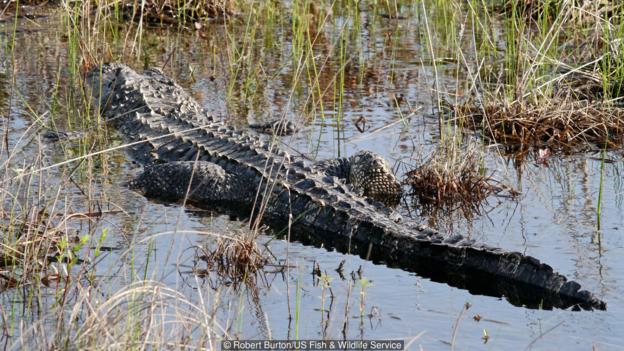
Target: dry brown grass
{"type": "Point", "coordinates": [170, 12]}
{"type": "Point", "coordinates": [143, 315]}
{"type": "Point", "coordinates": [235, 260]}
{"type": "Point", "coordinates": [454, 178]}
{"type": "Point", "coordinates": [566, 124]}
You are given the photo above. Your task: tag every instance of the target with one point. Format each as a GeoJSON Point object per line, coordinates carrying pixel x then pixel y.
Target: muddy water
{"type": "Point", "coordinates": [389, 85]}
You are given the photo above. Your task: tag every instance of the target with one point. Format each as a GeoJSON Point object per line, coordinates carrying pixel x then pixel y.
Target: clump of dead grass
{"type": "Point", "coordinates": [557, 123]}
{"type": "Point", "coordinates": [454, 178]}
{"type": "Point", "coordinates": [235, 260]}
{"type": "Point", "coordinates": [170, 12]}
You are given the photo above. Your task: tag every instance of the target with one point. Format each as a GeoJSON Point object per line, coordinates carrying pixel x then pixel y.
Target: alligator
{"type": "Point", "coordinates": [189, 155]}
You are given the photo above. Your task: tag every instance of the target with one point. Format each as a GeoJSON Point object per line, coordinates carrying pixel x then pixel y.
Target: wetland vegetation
{"type": "Point", "coordinates": [502, 118]}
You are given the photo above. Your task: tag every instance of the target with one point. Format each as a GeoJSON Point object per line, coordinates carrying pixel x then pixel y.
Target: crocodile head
{"type": "Point", "coordinates": [371, 174]}
{"type": "Point", "coordinates": [102, 80]}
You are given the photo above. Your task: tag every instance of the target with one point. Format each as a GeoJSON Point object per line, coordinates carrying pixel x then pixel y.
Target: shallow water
{"type": "Point", "coordinates": [554, 219]}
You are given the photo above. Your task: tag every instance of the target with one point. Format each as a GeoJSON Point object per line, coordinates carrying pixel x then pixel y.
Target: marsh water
{"type": "Point", "coordinates": [380, 92]}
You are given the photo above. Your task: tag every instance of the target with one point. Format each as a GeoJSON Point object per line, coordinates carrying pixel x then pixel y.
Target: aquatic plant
{"type": "Point", "coordinates": [454, 177]}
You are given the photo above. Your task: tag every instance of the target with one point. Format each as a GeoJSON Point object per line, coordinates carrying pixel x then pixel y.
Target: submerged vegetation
{"type": "Point", "coordinates": [521, 74]}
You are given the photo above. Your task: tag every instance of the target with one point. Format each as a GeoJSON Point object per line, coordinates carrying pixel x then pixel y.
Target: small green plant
{"type": "Point", "coordinates": [69, 251]}
{"type": "Point", "coordinates": [100, 241]}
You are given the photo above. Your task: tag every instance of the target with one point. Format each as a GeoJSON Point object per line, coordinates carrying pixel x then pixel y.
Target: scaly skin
{"type": "Point", "coordinates": [178, 141]}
